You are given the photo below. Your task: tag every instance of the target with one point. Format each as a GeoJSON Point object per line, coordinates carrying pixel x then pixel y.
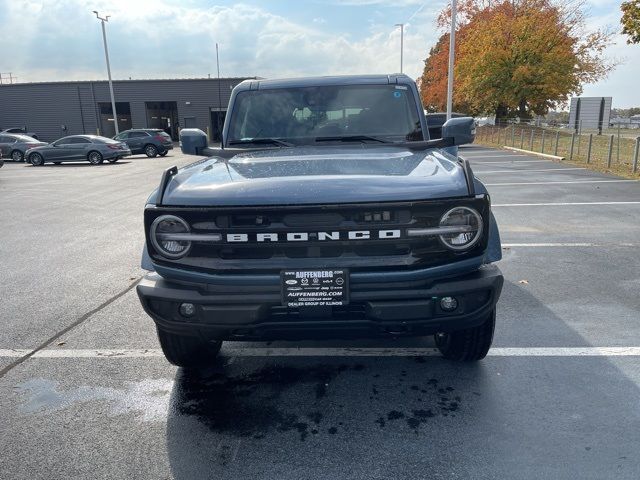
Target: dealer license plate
{"type": "Point", "coordinates": [311, 288]}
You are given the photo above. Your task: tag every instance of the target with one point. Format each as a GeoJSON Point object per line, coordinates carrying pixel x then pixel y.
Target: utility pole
{"type": "Point", "coordinates": [401, 25]}
{"type": "Point", "coordinates": [452, 49]}
{"type": "Point", "coordinates": [218, 67]}
{"type": "Point", "coordinates": [106, 55]}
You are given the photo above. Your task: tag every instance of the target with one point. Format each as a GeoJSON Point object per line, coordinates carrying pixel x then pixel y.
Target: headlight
{"type": "Point", "coordinates": [468, 231]}
{"type": "Point", "coordinates": [167, 235]}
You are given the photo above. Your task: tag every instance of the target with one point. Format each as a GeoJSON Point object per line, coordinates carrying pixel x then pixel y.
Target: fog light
{"type": "Point", "coordinates": [187, 309]}
{"type": "Point", "coordinates": [448, 304]}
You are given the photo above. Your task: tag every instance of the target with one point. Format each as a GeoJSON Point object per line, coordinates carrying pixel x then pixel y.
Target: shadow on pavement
{"type": "Point", "coordinates": [392, 417]}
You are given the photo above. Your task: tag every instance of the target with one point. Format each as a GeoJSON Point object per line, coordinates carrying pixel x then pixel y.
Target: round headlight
{"type": "Point", "coordinates": [465, 227]}
{"type": "Point", "coordinates": [166, 232]}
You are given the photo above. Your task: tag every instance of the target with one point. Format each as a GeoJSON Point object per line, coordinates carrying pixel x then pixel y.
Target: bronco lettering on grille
{"type": "Point", "coordinates": [313, 236]}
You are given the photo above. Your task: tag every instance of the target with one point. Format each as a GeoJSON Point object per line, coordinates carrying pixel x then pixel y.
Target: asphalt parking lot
{"type": "Point", "coordinates": [558, 396]}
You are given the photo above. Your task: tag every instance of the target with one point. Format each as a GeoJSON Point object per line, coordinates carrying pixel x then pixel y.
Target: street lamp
{"type": "Point", "coordinates": [452, 48]}
{"type": "Point", "coordinates": [401, 25]}
{"type": "Point", "coordinates": [106, 55]}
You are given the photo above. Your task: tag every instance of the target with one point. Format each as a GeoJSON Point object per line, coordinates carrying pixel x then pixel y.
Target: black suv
{"type": "Point", "coordinates": [150, 141]}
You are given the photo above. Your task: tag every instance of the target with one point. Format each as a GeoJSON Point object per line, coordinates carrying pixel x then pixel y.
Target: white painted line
{"type": "Point", "coordinates": [340, 352]}
{"type": "Point", "coordinates": [510, 184]}
{"type": "Point", "coordinates": [480, 172]}
{"type": "Point", "coordinates": [98, 353]}
{"type": "Point", "coordinates": [13, 352]}
{"type": "Point", "coordinates": [509, 162]}
{"type": "Point", "coordinates": [560, 204]}
{"type": "Point", "coordinates": [567, 244]}
{"type": "Point", "coordinates": [497, 155]}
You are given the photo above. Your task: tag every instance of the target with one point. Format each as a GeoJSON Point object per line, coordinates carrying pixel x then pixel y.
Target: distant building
{"type": "Point", "coordinates": [55, 109]}
{"type": "Point", "coordinates": [589, 113]}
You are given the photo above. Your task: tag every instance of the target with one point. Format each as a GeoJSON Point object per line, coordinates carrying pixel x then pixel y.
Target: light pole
{"type": "Point", "coordinates": [106, 55]}
{"type": "Point", "coordinates": [401, 25]}
{"type": "Point", "coordinates": [452, 48]}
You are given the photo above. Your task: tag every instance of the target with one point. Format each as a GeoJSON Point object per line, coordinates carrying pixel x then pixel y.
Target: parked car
{"type": "Point", "coordinates": [74, 148]}
{"type": "Point", "coordinates": [322, 225]}
{"type": "Point", "coordinates": [19, 131]}
{"type": "Point", "coordinates": [150, 141]}
{"type": "Point", "coordinates": [14, 146]}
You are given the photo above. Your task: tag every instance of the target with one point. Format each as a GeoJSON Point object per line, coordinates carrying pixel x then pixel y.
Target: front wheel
{"type": "Point", "coordinates": [151, 151]}
{"type": "Point", "coordinates": [187, 352]}
{"type": "Point", "coordinates": [468, 345]}
{"type": "Point", "coordinates": [95, 158]}
{"type": "Point", "coordinates": [36, 159]}
{"type": "Point", "coordinates": [17, 156]}
{"type": "Point", "coordinates": [164, 153]}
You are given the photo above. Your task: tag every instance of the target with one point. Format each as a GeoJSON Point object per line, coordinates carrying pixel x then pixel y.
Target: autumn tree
{"type": "Point", "coordinates": [515, 57]}
{"type": "Point", "coordinates": [631, 20]}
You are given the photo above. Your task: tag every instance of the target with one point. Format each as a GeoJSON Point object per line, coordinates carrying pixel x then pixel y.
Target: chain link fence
{"type": "Point", "coordinates": [612, 151]}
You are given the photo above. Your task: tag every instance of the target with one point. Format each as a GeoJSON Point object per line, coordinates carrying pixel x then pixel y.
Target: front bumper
{"type": "Point", "coordinates": [255, 312]}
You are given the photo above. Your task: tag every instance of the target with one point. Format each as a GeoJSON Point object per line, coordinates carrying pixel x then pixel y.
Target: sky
{"type": "Point", "coordinates": [62, 39]}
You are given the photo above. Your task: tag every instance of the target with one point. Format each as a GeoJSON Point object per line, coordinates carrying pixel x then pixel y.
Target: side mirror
{"type": "Point", "coordinates": [460, 130]}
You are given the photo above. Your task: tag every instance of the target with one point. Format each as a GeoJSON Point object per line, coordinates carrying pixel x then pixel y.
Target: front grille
{"type": "Point", "coordinates": [317, 250]}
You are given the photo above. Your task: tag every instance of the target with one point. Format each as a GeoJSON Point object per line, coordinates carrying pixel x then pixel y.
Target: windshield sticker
{"type": "Point", "coordinates": [397, 94]}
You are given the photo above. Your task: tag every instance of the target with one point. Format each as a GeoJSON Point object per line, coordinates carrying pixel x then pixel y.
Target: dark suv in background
{"type": "Point", "coordinates": [150, 141]}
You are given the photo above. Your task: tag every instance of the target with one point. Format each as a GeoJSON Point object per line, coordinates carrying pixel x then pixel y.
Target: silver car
{"type": "Point", "coordinates": [14, 146]}
{"type": "Point", "coordinates": [77, 148]}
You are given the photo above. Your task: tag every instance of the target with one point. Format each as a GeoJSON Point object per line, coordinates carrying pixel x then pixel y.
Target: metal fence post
{"type": "Point", "coordinates": [531, 140]}
{"type": "Point", "coordinates": [610, 150]}
{"type": "Point", "coordinates": [573, 141]}
{"type": "Point", "coordinates": [555, 150]}
{"type": "Point", "coordinates": [513, 133]}
{"type": "Point", "coordinates": [542, 147]}
{"type": "Point", "coordinates": [636, 151]}
{"type": "Point", "coordinates": [589, 148]}
{"type": "Point", "coordinates": [521, 138]}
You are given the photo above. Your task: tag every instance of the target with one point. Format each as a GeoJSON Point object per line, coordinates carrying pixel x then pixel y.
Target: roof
{"type": "Point", "coordinates": [256, 84]}
{"type": "Point", "coordinates": [129, 81]}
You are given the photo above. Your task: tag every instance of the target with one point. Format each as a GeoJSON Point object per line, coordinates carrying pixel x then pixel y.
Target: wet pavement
{"type": "Point", "coordinates": [70, 252]}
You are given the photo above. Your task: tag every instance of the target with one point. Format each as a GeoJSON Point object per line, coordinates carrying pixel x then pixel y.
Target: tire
{"type": "Point", "coordinates": [163, 154]}
{"type": "Point", "coordinates": [17, 156]}
{"type": "Point", "coordinates": [95, 158]}
{"type": "Point", "coordinates": [469, 345]}
{"type": "Point", "coordinates": [187, 352]}
{"type": "Point", "coordinates": [150, 150]}
{"type": "Point", "coordinates": [36, 159]}
{"type": "Point", "coordinates": [113, 160]}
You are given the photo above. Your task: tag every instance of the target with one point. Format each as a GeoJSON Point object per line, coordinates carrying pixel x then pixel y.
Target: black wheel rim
{"type": "Point", "coordinates": [17, 156]}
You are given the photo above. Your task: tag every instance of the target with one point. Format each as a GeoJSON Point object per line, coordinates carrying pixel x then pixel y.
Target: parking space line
{"type": "Point", "coordinates": [341, 352]}
{"type": "Point", "coordinates": [568, 244]}
{"type": "Point", "coordinates": [13, 353]}
{"type": "Point", "coordinates": [480, 172]}
{"type": "Point", "coordinates": [510, 184]}
{"type": "Point", "coordinates": [508, 162]}
{"type": "Point", "coordinates": [560, 204]}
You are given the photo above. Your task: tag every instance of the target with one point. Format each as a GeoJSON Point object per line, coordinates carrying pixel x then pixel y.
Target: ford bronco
{"type": "Point", "coordinates": [326, 212]}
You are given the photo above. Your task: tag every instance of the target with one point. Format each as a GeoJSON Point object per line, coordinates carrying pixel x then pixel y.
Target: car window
{"type": "Point", "coordinates": [123, 135]}
{"type": "Point", "coordinates": [303, 113]}
{"type": "Point", "coordinates": [15, 130]}
{"type": "Point", "coordinates": [6, 139]}
{"type": "Point", "coordinates": [77, 140]}
{"type": "Point", "coordinates": [137, 134]}
{"type": "Point", "coordinates": [62, 141]}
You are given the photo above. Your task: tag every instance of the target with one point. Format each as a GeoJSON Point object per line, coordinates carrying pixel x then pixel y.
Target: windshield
{"type": "Point", "coordinates": [310, 114]}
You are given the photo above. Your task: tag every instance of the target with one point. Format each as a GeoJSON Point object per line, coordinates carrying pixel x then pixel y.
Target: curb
{"type": "Point", "coordinates": [545, 155]}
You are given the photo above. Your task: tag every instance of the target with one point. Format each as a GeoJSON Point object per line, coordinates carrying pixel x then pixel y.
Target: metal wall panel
{"type": "Point", "coordinates": [584, 112]}
{"type": "Point", "coordinates": [44, 107]}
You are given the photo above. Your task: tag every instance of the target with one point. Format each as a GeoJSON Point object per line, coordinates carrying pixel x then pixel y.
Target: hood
{"type": "Point", "coordinates": [318, 175]}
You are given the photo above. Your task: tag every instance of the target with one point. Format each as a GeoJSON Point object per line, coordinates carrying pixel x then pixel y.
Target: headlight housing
{"type": "Point", "coordinates": [168, 234]}
{"type": "Point", "coordinates": [466, 228]}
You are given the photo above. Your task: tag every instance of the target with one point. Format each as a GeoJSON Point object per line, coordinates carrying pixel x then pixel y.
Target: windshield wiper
{"type": "Point", "coordinates": [352, 138]}
{"type": "Point", "coordinates": [261, 141]}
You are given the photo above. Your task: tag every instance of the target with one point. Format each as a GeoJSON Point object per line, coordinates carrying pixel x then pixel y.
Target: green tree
{"type": "Point", "coordinates": [631, 20]}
